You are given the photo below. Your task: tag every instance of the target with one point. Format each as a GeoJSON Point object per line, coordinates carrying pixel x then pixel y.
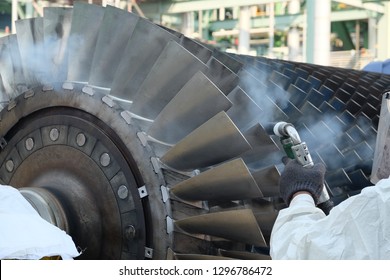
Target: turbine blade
{"type": "Point", "coordinates": [213, 142]}
{"type": "Point", "coordinates": [228, 181]}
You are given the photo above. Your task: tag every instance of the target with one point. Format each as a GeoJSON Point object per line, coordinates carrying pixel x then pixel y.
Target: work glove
{"type": "Point", "coordinates": [297, 178]}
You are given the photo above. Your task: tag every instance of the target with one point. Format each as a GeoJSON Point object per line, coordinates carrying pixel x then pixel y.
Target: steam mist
{"type": "Point", "coordinates": [342, 141]}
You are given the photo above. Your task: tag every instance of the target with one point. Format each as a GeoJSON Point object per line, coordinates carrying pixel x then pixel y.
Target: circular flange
{"type": "Point", "coordinates": [71, 154]}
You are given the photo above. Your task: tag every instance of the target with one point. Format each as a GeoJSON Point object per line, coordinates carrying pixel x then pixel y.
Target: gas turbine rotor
{"type": "Point", "coordinates": [142, 143]}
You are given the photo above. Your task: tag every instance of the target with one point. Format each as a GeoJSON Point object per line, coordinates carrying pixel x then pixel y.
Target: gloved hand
{"type": "Point", "coordinates": [297, 178]}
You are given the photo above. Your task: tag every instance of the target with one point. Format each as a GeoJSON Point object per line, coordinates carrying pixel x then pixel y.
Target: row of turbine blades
{"type": "Point", "coordinates": [205, 110]}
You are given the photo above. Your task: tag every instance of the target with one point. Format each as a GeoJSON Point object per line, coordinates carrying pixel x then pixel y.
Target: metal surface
{"type": "Point", "coordinates": [31, 47]}
{"type": "Point", "coordinates": [242, 255]}
{"type": "Point", "coordinates": [198, 101]}
{"type": "Point", "coordinates": [213, 142]}
{"type": "Point", "coordinates": [227, 224]}
{"type": "Point", "coordinates": [70, 166]}
{"type": "Point", "coordinates": [116, 29]}
{"type": "Point", "coordinates": [268, 180]}
{"type": "Point", "coordinates": [56, 30]}
{"type": "Point", "coordinates": [181, 121]}
{"type": "Point", "coordinates": [262, 145]}
{"type": "Point", "coordinates": [168, 75]}
{"type": "Point", "coordinates": [228, 181]}
{"type": "Point", "coordinates": [143, 49]}
{"type": "Point", "coordinates": [84, 33]}
{"type": "Point", "coordinates": [244, 111]}
{"type": "Point", "coordinates": [177, 256]}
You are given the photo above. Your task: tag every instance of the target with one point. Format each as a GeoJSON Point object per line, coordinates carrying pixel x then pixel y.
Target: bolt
{"type": "Point", "coordinates": [81, 139]}
{"type": "Point", "coordinates": [123, 192]}
{"type": "Point", "coordinates": [105, 159]}
{"type": "Point", "coordinates": [29, 144]}
{"type": "Point", "coordinates": [10, 165]}
{"type": "Point", "coordinates": [54, 134]}
{"type": "Point", "coordinates": [130, 232]}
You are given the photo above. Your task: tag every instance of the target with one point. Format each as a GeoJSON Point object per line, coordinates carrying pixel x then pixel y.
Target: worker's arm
{"type": "Point", "coordinates": [358, 228]}
{"type": "Point", "coordinates": [288, 239]}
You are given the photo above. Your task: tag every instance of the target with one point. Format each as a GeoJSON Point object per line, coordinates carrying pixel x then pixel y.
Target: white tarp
{"type": "Point", "coordinates": [25, 235]}
{"type": "Point", "coordinates": [358, 228]}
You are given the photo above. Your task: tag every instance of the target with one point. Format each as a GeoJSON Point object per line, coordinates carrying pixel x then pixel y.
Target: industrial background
{"type": "Point", "coordinates": [275, 29]}
{"type": "Point", "coordinates": [141, 128]}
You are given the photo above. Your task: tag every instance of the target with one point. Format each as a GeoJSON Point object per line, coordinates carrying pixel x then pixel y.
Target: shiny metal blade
{"type": "Point", "coordinates": [6, 73]}
{"type": "Point", "coordinates": [244, 112]}
{"type": "Point", "coordinates": [173, 69]}
{"type": "Point", "coordinates": [266, 221]}
{"type": "Point", "coordinates": [227, 60]}
{"type": "Point", "coordinates": [228, 181]}
{"type": "Point", "coordinates": [142, 51]}
{"type": "Point", "coordinates": [262, 145]}
{"type": "Point", "coordinates": [116, 29]}
{"type": "Point", "coordinates": [221, 75]}
{"type": "Point", "coordinates": [215, 141]}
{"type": "Point", "coordinates": [236, 225]}
{"type": "Point", "coordinates": [198, 101]}
{"type": "Point", "coordinates": [86, 23]}
{"type": "Point", "coordinates": [11, 70]}
{"type": "Point", "coordinates": [31, 47]}
{"type": "Point", "coordinates": [56, 27]}
{"type": "Point", "coordinates": [200, 51]}
{"type": "Point", "coordinates": [268, 180]}
{"type": "Point", "coordinates": [243, 255]}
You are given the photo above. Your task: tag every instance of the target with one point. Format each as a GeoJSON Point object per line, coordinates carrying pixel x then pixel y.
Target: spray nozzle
{"type": "Point", "coordinates": [284, 129]}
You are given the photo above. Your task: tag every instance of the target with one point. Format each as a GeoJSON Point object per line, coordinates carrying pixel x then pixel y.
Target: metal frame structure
{"type": "Point", "coordinates": [192, 18]}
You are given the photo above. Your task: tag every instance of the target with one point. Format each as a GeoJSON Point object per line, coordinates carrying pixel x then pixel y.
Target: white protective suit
{"type": "Point", "coordinates": [25, 235]}
{"type": "Point", "coordinates": [358, 228]}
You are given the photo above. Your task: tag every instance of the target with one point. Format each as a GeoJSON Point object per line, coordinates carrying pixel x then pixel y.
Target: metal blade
{"type": "Point", "coordinates": [143, 49]}
{"type": "Point", "coordinates": [237, 225]}
{"type": "Point", "coordinates": [173, 69]}
{"type": "Point", "coordinates": [32, 54]}
{"type": "Point", "coordinates": [116, 29]}
{"type": "Point", "coordinates": [213, 142]}
{"type": "Point", "coordinates": [84, 32]}
{"type": "Point", "coordinates": [228, 181]}
{"type": "Point", "coordinates": [233, 64]}
{"type": "Point", "coordinates": [268, 180]}
{"type": "Point", "coordinates": [11, 71]}
{"type": "Point", "coordinates": [197, 49]}
{"type": "Point", "coordinates": [243, 255]}
{"type": "Point", "coordinates": [259, 92]}
{"type": "Point", "coordinates": [198, 101]}
{"type": "Point", "coordinates": [221, 75]}
{"type": "Point", "coordinates": [56, 27]}
{"type": "Point", "coordinates": [262, 145]}
{"type": "Point", "coordinates": [244, 111]}
{"type": "Point", "coordinates": [266, 220]}
{"type": "Point", "coordinates": [6, 73]}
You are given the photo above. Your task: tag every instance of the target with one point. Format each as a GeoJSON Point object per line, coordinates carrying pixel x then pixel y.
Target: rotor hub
{"type": "Point", "coordinates": [76, 173]}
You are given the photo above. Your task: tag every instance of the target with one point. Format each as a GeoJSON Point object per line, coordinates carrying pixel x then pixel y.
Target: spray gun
{"type": "Point", "coordinates": [296, 149]}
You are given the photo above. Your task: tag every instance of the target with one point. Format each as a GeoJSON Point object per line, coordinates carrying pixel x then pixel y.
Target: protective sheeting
{"type": "Point", "coordinates": [25, 235]}
{"type": "Point", "coordinates": [358, 228]}
{"type": "Point", "coordinates": [378, 67]}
